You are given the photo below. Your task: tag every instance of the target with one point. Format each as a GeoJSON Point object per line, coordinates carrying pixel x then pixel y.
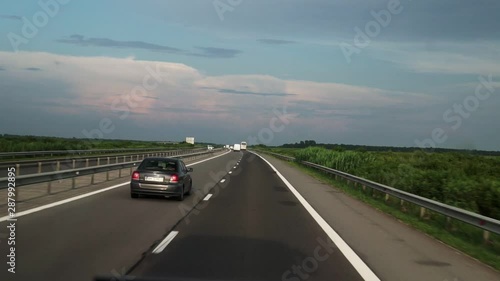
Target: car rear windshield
{"type": "Point", "coordinates": [159, 165]}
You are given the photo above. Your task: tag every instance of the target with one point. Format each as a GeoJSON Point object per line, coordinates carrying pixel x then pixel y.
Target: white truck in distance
{"type": "Point", "coordinates": [237, 147]}
{"type": "Point", "coordinates": [243, 145]}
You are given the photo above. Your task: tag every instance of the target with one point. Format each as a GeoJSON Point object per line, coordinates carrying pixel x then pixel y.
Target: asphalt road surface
{"type": "Point", "coordinates": [252, 226]}
{"type": "Point", "coordinates": [104, 233]}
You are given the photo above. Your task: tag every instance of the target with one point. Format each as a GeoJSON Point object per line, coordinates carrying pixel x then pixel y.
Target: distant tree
{"type": "Point", "coordinates": [361, 149]}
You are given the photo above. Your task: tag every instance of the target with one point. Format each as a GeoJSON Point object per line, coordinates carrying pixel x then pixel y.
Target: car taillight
{"type": "Point", "coordinates": [174, 178]}
{"type": "Point", "coordinates": [135, 176]}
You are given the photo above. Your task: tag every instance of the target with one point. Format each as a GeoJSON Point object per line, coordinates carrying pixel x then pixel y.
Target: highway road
{"type": "Point", "coordinates": [252, 229]}
{"type": "Point", "coordinates": [246, 221]}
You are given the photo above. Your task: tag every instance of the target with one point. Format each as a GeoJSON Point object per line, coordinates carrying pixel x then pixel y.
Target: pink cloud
{"type": "Point", "coordinates": [115, 85]}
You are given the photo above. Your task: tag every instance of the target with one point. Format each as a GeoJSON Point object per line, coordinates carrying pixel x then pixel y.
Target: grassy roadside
{"type": "Point", "coordinates": [14, 143]}
{"type": "Point", "coordinates": [458, 235]}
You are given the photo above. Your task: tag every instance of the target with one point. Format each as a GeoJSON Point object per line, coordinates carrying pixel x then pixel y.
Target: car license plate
{"type": "Point", "coordinates": [156, 179]}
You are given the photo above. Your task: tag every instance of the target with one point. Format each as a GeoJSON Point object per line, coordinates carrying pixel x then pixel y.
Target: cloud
{"type": "Point", "coordinates": [210, 52]}
{"type": "Point", "coordinates": [80, 40]}
{"type": "Point", "coordinates": [81, 91]}
{"type": "Point", "coordinates": [10, 17]}
{"type": "Point", "coordinates": [237, 92]}
{"type": "Point", "coordinates": [207, 52]}
{"type": "Point", "coordinates": [275, 41]}
{"type": "Point", "coordinates": [33, 69]}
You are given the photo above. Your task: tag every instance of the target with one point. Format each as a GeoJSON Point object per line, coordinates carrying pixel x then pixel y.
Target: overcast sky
{"type": "Point", "coordinates": [377, 72]}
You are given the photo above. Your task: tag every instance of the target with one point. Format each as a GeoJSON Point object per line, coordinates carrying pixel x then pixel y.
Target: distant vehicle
{"type": "Point", "coordinates": [243, 145]}
{"type": "Point", "coordinates": [237, 147]}
{"type": "Point", "coordinates": [231, 147]}
{"type": "Point", "coordinates": [210, 147]}
{"type": "Point", "coordinates": [161, 176]}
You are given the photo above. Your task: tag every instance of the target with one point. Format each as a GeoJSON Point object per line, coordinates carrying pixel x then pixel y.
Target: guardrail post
{"type": "Point", "coordinates": [422, 212]}
{"type": "Point", "coordinates": [137, 157]}
{"type": "Point", "coordinates": [448, 222]}
{"type": "Point", "coordinates": [74, 163]}
{"type": "Point", "coordinates": [86, 163]}
{"type": "Point", "coordinates": [131, 158]}
{"type": "Point", "coordinates": [116, 160]}
{"type": "Point", "coordinates": [98, 161]}
{"type": "Point", "coordinates": [58, 166]}
{"type": "Point", "coordinates": [39, 167]}
{"type": "Point", "coordinates": [364, 187]}
{"type": "Point", "coordinates": [402, 205]}
{"type": "Point", "coordinates": [486, 236]}
{"type": "Point", "coordinates": [386, 197]}
{"type": "Point", "coordinates": [108, 161]}
{"type": "Point", "coordinates": [124, 160]}
{"type": "Point", "coordinates": [16, 194]}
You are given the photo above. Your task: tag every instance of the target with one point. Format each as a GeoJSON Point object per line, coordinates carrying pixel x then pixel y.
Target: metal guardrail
{"type": "Point", "coordinates": [90, 156]}
{"type": "Point", "coordinates": [72, 160]}
{"type": "Point", "coordinates": [73, 173]}
{"type": "Point", "coordinates": [72, 152]}
{"type": "Point", "coordinates": [486, 223]}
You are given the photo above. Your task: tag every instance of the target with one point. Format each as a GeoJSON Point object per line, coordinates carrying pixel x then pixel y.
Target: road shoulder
{"type": "Point", "coordinates": [392, 249]}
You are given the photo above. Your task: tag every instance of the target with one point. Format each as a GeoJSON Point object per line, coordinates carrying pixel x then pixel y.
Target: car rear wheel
{"type": "Point", "coordinates": [181, 196]}
{"type": "Point", "coordinates": [134, 195]}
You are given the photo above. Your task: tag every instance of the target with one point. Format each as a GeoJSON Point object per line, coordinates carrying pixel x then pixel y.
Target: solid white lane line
{"type": "Point", "coordinates": [37, 209]}
{"type": "Point", "coordinates": [165, 242]}
{"type": "Point", "coordinates": [366, 273]}
{"type": "Point", "coordinates": [223, 180]}
{"type": "Point", "coordinates": [207, 197]}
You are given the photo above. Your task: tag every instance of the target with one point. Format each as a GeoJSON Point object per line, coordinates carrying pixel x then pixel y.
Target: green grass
{"type": "Point", "coordinates": [463, 180]}
{"type": "Point", "coordinates": [9, 143]}
{"type": "Point", "coordinates": [463, 237]}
